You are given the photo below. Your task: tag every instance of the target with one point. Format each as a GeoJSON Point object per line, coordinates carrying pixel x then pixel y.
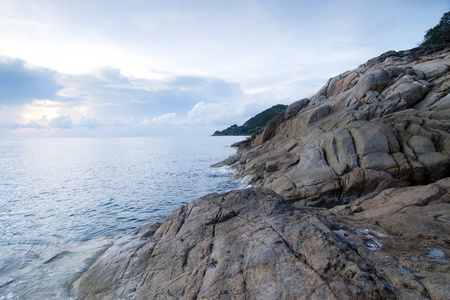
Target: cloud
{"type": "Point", "coordinates": [21, 83]}
{"type": "Point", "coordinates": [61, 122]}
{"type": "Point", "coordinates": [105, 98]}
{"type": "Point", "coordinates": [88, 122]}
{"type": "Point", "coordinates": [31, 124]}
{"type": "Point", "coordinates": [109, 75]}
{"type": "Point", "coordinates": [166, 119]}
{"type": "Point", "coordinates": [211, 113]}
{"type": "Point", "coordinates": [121, 121]}
{"type": "Point", "coordinates": [109, 93]}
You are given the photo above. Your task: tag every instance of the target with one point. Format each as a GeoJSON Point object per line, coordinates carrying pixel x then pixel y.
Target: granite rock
{"type": "Point", "coordinates": [390, 115]}
{"type": "Point", "coordinates": [252, 244]}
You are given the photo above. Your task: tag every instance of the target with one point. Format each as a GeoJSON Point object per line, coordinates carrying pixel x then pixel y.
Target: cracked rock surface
{"type": "Point", "coordinates": [251, 244]}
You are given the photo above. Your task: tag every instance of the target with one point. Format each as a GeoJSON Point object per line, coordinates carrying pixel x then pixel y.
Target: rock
{"type": "Point", "coordinates": [340, 149]}
{"type": "Point", "coordinates": [271, 129]}
{"type": "Point", "coordinates": [378, 161]}
{"type": "Point", "coordinates": [110, 268]}
{"type": "Point", "coordinates": [421, 145]}
{"type": "Point", "coordinates": [409, 92]}
{"type": "Point", "coordinates": [352, 201]}
{"type": "Point", "coordinates": [360, 182]}
{"type": "Point", "coordinates": [433, 69]}
{"type": "Point", "coordinates": [373, 81]}
{"type": "Point", "coordinates": [436, 164]}
{"type": "Point", "coordinates": [271, 166]}
{"type": "Point", "coordinates": [340, 83]}
{"type": "Point", "coordinates": [319, 113]}
{"type": "Point", "coordinates": [295, 107]}
{"type": "Point", "coordinates": [389, 115]}
{"type": "Point", "coordinates": [371, 137]}
{"type": "Point", "coordinates": [251, 244]}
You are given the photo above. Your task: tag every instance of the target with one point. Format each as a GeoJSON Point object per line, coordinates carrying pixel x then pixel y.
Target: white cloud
{"type": "Point", "coordinates": [212, 113]}
{"type": "Point", "coordinates": [137, 64]}
{"type": "Point", "coordinates": [166, 119]}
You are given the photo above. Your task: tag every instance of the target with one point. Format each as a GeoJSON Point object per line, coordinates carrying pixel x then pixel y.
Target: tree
{"type": "Point", "coordinates": [440, 33]}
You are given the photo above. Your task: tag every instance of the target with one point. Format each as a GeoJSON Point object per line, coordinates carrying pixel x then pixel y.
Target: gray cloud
{"type": "Point", "coordinates": [61, 122]}
{"type": "Point", "coordinates": [20, 84]}
{"type": "Point", "coordinates": [31, 124]}
{"type": "Point", "coordinates": [108, 93]}
{"type": "Point", "coordinates": [89, 123]}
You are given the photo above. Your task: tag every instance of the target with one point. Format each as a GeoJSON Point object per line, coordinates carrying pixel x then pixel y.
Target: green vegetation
{"type": "Point", "coordinates": [253, 124]}
{"type": "Point", "coordinates": [439, 34]}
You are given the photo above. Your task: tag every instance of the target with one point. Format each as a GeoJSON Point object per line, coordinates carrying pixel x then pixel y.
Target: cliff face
{"type": "Point", "coordinates": [384, 124]}
{"type": "Point", "coordinates": [362, 209]}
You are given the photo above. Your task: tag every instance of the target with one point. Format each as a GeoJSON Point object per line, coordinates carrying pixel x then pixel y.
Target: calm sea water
{"type": "Point", "coordinates": [61, 200]}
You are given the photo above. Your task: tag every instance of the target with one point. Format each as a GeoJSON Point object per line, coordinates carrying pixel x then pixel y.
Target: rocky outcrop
{"type": "Point", "coordinates": [251, 244]}
{"type": "Point", "coordinates": [386, 122]}
{"type": "Point", "coordinates": [353, 202]}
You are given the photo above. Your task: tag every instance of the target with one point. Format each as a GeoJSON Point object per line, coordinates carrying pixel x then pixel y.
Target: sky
{"type": "Point", "coordinates": [100, 68]}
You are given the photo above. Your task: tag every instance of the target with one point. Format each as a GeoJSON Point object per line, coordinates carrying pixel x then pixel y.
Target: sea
{"type": "Point", "coordinates": [63, 201]}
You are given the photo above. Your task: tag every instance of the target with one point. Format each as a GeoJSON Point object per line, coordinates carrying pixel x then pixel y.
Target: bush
{"type": "Point", "coordinates": [439, 34]}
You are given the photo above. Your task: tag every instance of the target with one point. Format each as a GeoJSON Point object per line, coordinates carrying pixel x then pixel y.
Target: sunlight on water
{"type": "Point", "coordinates": [61, 200]}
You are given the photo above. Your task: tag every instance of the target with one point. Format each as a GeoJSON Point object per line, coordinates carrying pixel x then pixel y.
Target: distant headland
{"type": "Point", "coordinates": [253, 124]}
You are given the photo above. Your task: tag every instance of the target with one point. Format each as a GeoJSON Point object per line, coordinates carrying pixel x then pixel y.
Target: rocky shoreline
{"type": "Point", "coordinates": [351, 201]}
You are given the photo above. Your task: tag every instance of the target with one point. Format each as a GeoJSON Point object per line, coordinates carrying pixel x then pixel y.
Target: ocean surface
{"type": "Point", "coordinates": [63, 201]}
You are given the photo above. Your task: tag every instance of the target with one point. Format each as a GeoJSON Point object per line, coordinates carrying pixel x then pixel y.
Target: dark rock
{"type": "Point", "coordinates": [293, 109]}
{"type": "Point", "coordinates": [319, 113]}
